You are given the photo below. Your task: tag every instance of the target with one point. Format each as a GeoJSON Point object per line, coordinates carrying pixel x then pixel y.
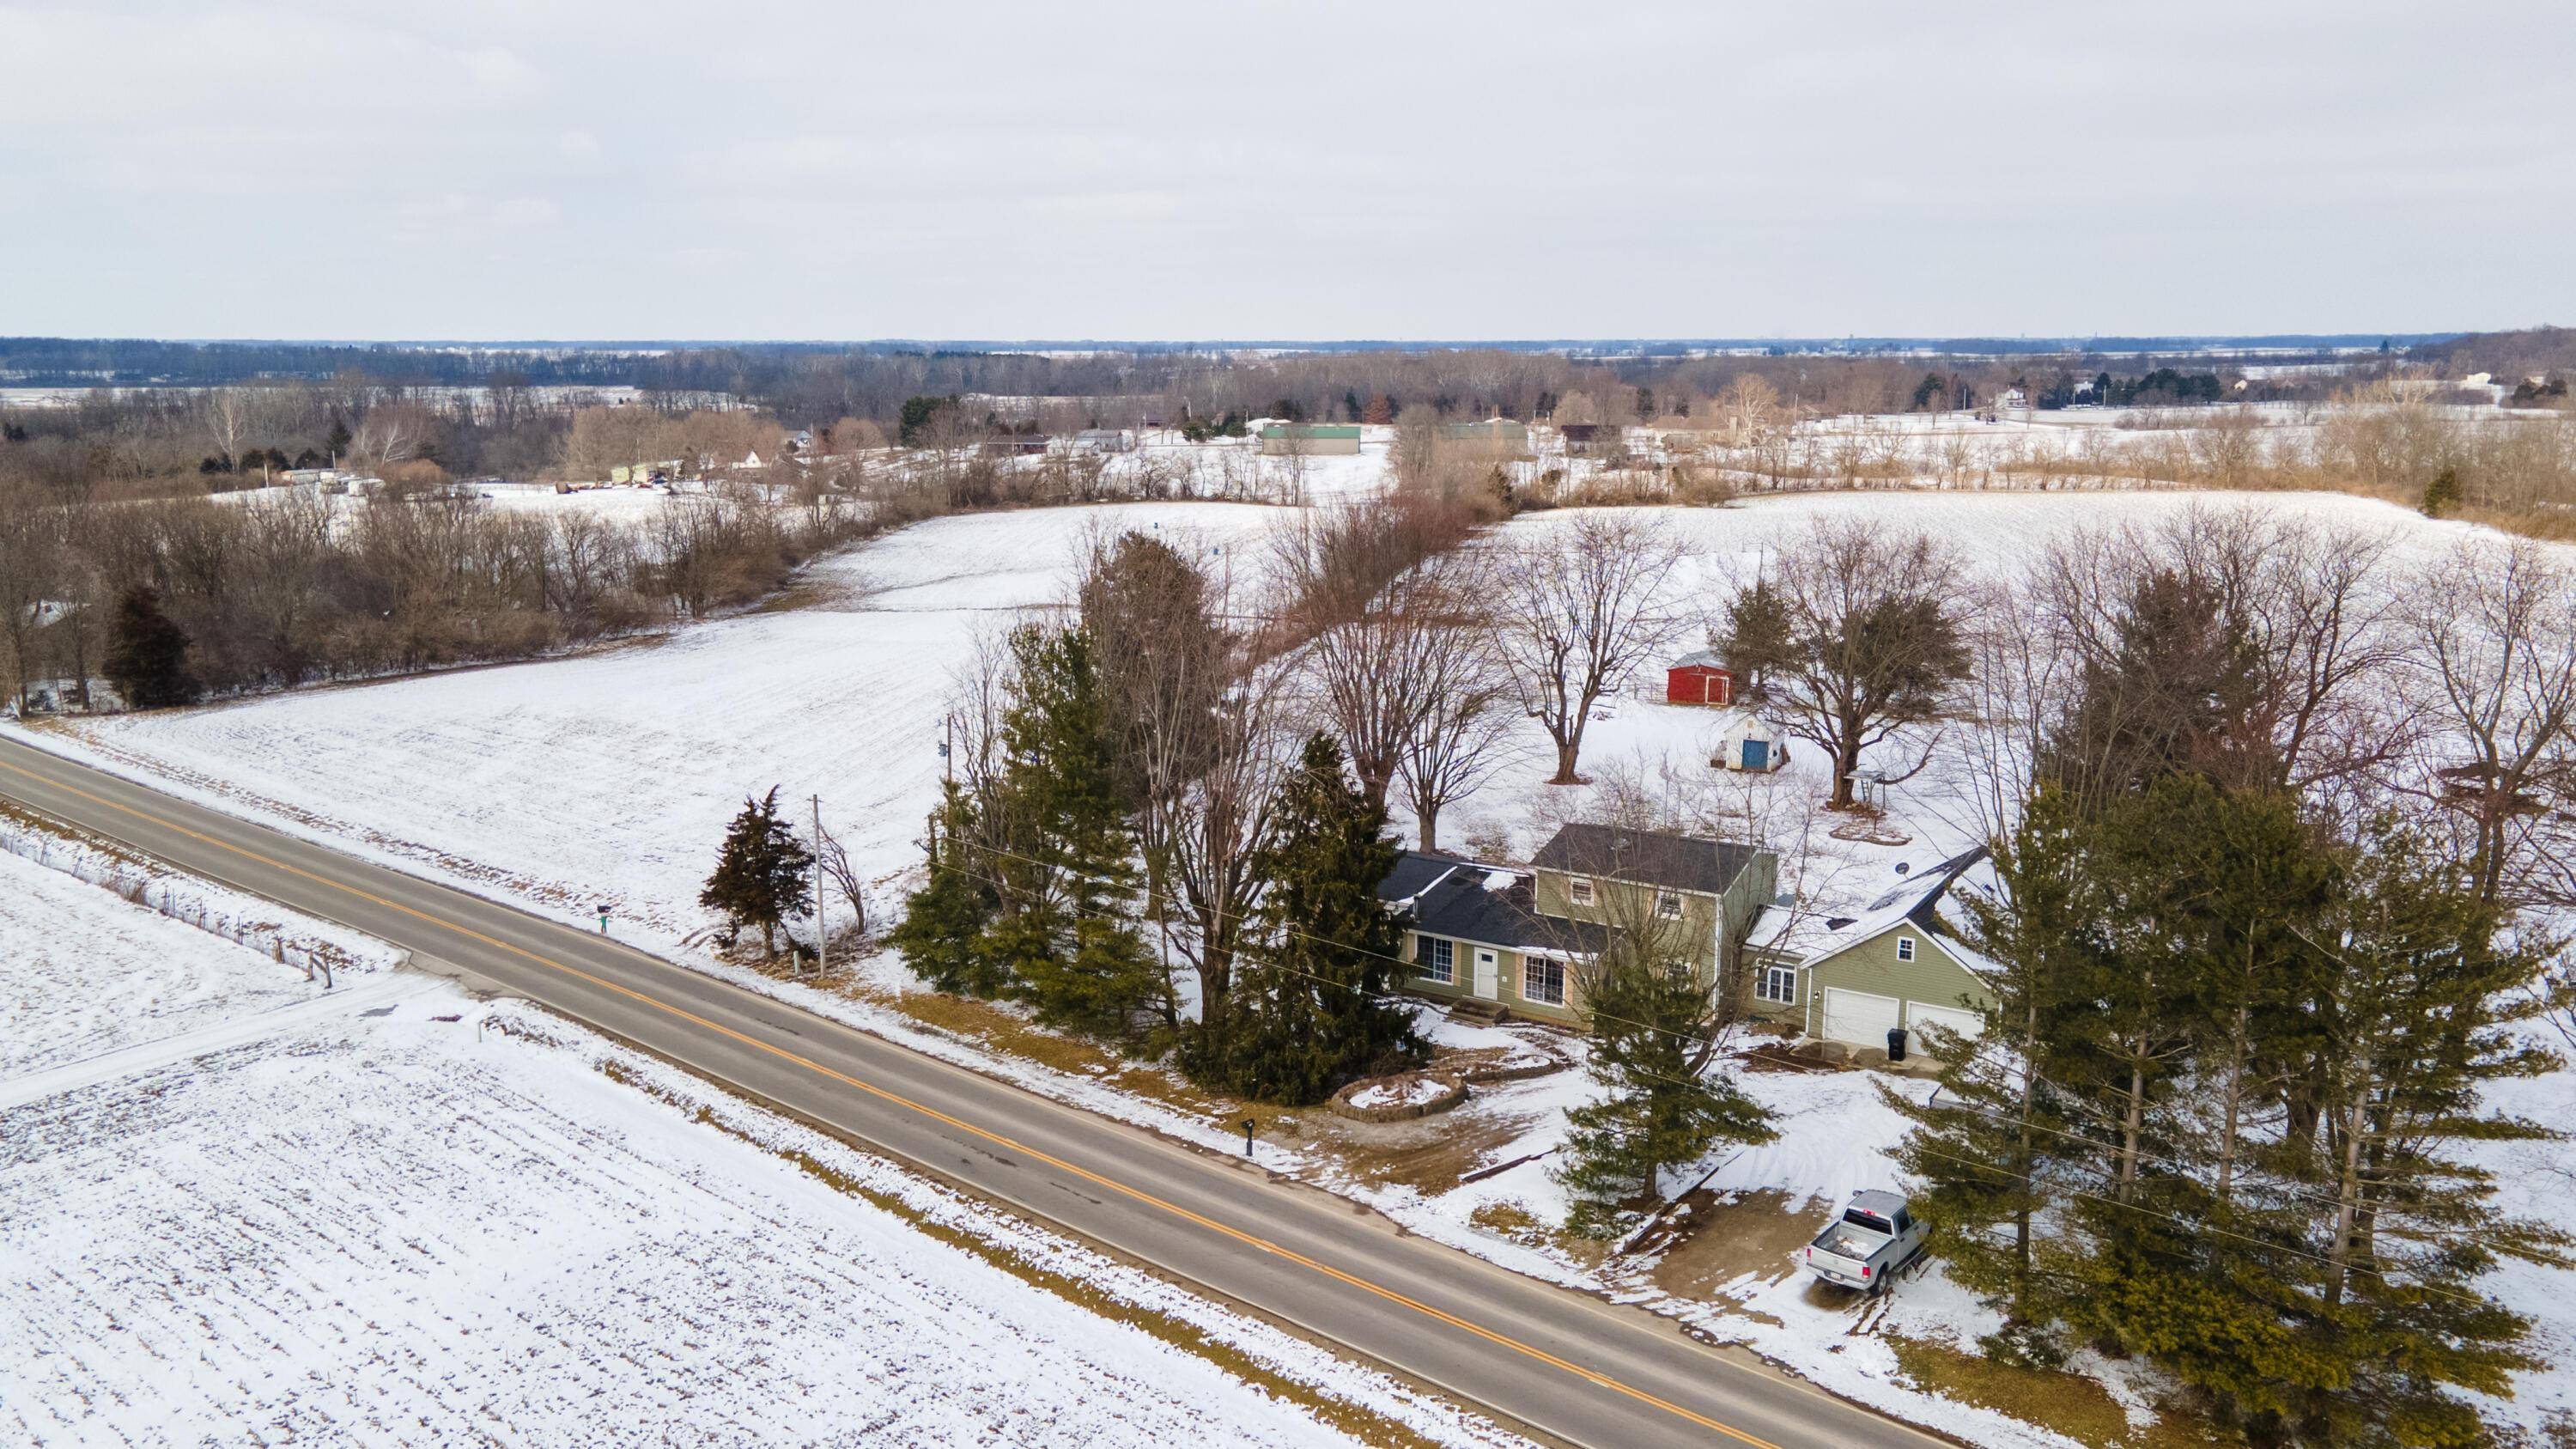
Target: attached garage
{"type": "Point", "coordinates": [1919, 1014]}
{"type": "Point", "coordinates": [1894, 966]}
{"type": "Point", "coordinates": [1858, 1017]}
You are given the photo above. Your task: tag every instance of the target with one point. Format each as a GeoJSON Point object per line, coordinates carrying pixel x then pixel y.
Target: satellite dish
{"type": "Point", "coordinates": [1902, 867]}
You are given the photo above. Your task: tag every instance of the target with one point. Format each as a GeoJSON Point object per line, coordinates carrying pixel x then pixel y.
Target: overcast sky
{"type": "Point", "coordinates": [1207, 169]}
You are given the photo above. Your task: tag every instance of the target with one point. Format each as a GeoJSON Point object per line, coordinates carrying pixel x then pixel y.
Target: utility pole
{"type": "Point", "coordinates": [822, 931]}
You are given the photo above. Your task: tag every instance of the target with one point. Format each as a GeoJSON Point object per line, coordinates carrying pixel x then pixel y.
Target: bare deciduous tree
{"type": "Point", "coordinates": [1203, 737]}
{"type": "Point", "coordinates": [1577, 605]}
{"type": "Point", "coordinates": [2494, 646]}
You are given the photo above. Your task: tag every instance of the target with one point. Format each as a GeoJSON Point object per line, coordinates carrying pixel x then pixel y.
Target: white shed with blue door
{"type": "Point", "coordinates": [1751, 742]}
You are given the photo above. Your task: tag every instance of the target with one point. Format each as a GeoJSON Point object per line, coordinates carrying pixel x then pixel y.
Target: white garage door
{"type": "Point", "coordinates": [1858, 1017]}
{"type": "Point", "coordinates": [1965, 1023]}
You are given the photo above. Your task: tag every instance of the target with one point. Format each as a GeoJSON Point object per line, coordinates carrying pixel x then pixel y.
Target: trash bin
{"type": "Point", "coordinates": [1896, 1043]}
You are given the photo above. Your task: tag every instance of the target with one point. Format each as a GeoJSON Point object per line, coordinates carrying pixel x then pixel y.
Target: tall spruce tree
{"type": "Point", "coordinates": [1067, 875]}
{"type": "Point", "coordinates": [1310, 1008]}
{"type": "Point", "coordinates": [147, 653]}
{"type": "Point", "coordinates": [1662, 1103]}
{"type": "Point", "coordinates": [762, 872]}
{"type": "Point", "coordinates": [1756, 639]}
{"type": "Point", "coordinates": [2213, 1121]}
{"type": "Point", "coordinates": [2421, 1009]}
{"type": "Point", "coordinates": [944, 920]}
{"type": "Point", "coordinates": [2176, 686]}
{"type": "Point", "coordinates": [2208, 899]}
{"type": "Point", "coordinates": [1988, 1149]}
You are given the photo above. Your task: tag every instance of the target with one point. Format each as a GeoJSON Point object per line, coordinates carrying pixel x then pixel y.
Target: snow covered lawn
{"type": "Point", "coordinates": [356, 1221]}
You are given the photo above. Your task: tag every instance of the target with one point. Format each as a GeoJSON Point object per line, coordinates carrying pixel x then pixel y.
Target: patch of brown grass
{"type": "Point", "coordinates": [2068, 1403]}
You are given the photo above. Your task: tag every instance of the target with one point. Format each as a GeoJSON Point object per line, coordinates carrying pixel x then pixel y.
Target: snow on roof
{"type": "Point", "coordinates": [1913, 900]}
{"type": "Point", "coordinates": [1698, 659]}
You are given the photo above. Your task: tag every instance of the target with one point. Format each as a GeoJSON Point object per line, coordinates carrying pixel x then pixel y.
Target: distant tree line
{"type": "Point", "coordinates": [294, 586]}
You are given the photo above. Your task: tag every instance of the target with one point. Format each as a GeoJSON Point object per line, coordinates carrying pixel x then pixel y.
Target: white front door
{"type": "Point", "coordinates": [1489, 974]}
{"type": "Point", "coordinates": [1857, 1017]}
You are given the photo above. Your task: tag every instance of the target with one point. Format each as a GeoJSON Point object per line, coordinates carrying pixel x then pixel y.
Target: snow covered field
{"type": "Point", "coordinates": [1635, 737]}
{"type": "Point", "coordinates": [345, 1218]}
{"type": "Point", "coordinates": [609, 778]}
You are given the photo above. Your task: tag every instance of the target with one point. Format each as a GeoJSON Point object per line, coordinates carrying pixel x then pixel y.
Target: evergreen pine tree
{"type": "Point", "coordinates": [147, 653]}
{"type": "Point", "coordinates": [1069, 877]}
{"type": "Point", "coordinates": [1310, 1008]}
{"type": "Point", "coordinates": [761, 875]}
{"type": "Point", "coordinates": [944, 920]}
{"type": "Point", "coordinates": [2442, 495]}
{"type": "Point", "coordinates": [2420, 1012]}
{"type": "Point", "coordinates": [2177, 688]}
{"type": "Point", "coordinates": [1986, 1149]}
{"type": "Point", "coordinates": [1757, 637]}
{"type": "Point", "coordinates": [2206, 899]}
{"type": "Point", "coordinates": [1661, 1103]}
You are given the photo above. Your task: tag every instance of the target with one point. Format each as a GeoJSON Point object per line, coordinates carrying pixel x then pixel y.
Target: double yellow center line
{"type": "Point", "coordinates": [1110, 1184]}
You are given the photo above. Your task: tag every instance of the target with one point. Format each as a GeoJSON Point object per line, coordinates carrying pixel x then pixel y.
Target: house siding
{"type": "Point", "coordinates": [1552, 895]}
{"type": "Point", "coordinates": [1508, 985]}
{"type": "Point", "coordinates": [1934, 977]}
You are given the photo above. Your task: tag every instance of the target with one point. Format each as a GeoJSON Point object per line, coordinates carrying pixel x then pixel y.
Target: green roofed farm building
{"type": "Point", "coordinates": [1311, 440]}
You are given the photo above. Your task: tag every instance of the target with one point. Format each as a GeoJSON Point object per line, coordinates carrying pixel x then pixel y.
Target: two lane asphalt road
{"type": "Point", "coordinates": [1565, 1364]}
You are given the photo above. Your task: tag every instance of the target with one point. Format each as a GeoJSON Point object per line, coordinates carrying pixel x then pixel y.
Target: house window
{"type": "Point", "coordinates": [1905, 948]}
{"type": "Point", "coordinates": [1668, 904]}
{"type": "Point", "coordinates": [1579, 890]}
{"type": "Point", "coordinates": [1777, 983]}
{"type": "Point", "coordinates": [1543, 981]}
{"type": "Point", "coordinates": [1439, 959]}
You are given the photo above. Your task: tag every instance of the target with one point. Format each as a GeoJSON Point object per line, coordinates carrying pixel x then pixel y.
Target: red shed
{"type": "Point", "coordinates": [1698, 679]}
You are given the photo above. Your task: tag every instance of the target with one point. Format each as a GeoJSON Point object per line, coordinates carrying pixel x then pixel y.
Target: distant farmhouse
{"type": "Point", "coordinates": [1588, 437]}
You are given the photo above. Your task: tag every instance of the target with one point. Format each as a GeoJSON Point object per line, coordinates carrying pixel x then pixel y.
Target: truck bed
{"type": "Point", "coordinates": [1845, 1241]}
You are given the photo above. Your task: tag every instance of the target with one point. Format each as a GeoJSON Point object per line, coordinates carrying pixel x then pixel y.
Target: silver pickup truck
{"type": "Point", "coordinates": [1866, 1243]}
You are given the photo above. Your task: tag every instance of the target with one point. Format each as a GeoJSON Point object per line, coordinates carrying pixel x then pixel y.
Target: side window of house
{"type": "Point", "coordinates": [1778, 983]}
{"type": "Point", "coordinates": [1543, 981]}
{"type": "Point", "coordinates": [1905, 948]}
{"type": "Point", "coordinates": [1438, 962]}
{"type": "Point", "coordinates": [1668, 904]}
{"type": "Point", "coordinates": [1579, 891]}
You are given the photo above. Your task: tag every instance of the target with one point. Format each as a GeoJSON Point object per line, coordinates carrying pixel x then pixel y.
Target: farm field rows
{"type": "Point", "coordinates": [395, 1214]}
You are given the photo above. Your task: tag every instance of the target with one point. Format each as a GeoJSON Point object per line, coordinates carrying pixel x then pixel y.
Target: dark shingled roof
{"type": "Point", "coordinates": [1462, 907]}
{"type": "Point", "coordinates": [1681, 862]}
{"type": "Point", "coordinates": [1414, 871]}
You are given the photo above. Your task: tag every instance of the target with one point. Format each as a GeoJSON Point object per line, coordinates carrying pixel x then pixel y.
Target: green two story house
{"type": "Point", "coordinates": [1513, 938]}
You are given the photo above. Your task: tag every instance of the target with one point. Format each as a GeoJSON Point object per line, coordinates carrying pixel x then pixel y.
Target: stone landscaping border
{"type": "Point", "coordinates": [1400, 1111]}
